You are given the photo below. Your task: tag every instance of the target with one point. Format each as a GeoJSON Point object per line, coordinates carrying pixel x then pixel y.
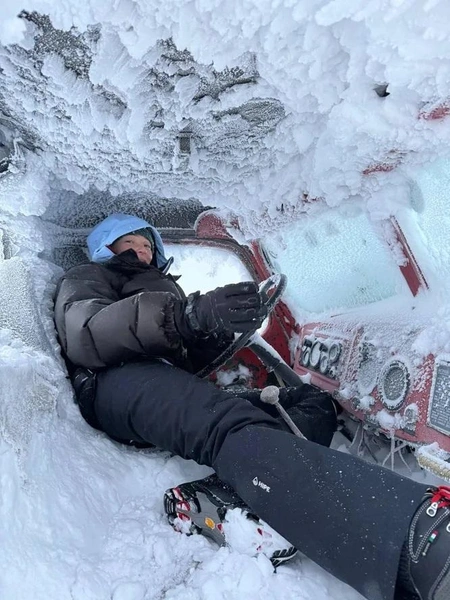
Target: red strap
{"type": "Point", "coordinates": [442, 496]}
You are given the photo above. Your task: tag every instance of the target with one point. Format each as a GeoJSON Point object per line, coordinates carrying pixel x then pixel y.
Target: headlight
{"type": "Point", "coordinates": [394, 384]}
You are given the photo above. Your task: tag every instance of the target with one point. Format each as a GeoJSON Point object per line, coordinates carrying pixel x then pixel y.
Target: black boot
{"type": "Point", "coordinates": [424, 572]}
{"type": "Point", "coordinates": [206, 506]}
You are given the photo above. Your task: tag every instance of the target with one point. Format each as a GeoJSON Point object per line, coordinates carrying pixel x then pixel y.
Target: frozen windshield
{"type": "Point", "coordinates": [204, 268]}
{"type": "Point", "coordinates": [427, 223]}
{"type": "Point", "coordinates": [335, 262]}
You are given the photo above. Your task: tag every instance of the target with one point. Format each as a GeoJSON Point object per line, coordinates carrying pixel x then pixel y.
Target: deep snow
{"type": "Point", "coordinates": [81, 517]}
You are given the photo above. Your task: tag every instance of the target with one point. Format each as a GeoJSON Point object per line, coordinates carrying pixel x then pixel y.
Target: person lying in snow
{"type": "Point", "coordinates": [133, 341]}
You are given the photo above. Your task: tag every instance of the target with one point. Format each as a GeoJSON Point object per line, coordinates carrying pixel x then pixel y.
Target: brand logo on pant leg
{"type": "Point", "coordinates": [258, 483]}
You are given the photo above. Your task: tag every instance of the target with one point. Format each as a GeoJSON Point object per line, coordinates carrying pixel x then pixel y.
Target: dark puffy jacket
{"type": "Point", "coordinates": [123, 310]}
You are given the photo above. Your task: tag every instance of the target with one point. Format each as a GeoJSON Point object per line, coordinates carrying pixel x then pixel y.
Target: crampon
{"type": "Point", "coordinates": [211, 508]}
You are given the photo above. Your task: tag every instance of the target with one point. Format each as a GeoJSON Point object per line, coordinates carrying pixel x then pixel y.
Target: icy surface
{"type": "Point", "coordinates": [266, 110]}
{"type": "Point", "coordinates": [278, 98]}
{"type": "Point", "coordinates": [215, 266]}
{"type": "Point", "coordinates": [334, 261]}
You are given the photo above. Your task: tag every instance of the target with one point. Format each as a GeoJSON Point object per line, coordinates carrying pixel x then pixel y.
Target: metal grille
{"type": "Point", "coordinates": [439, 411]}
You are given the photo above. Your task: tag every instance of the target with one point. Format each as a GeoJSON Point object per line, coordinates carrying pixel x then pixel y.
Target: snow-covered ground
{"type": "Point", "coordinates": [277, 100]}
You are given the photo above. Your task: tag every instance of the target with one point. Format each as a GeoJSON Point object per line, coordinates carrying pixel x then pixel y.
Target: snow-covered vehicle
{"type": "Point", "coordinates": [161, 110]}
{"type": "Point", "coordinates": [362, 316]}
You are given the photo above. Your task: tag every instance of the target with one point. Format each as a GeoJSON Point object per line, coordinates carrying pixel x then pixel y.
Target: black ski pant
{"type": "Point", "coordinates": [348, 516]}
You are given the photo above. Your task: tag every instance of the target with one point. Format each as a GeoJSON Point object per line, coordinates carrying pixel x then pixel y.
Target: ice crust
{"type": "Point", "coordinates": [279, 97]}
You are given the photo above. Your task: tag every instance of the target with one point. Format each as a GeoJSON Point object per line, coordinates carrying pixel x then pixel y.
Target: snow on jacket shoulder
{"type": "Point", "coordinates": [118, 311]}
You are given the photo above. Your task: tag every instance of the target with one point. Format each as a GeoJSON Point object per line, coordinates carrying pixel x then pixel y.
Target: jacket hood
{"type": "Point", "coordinates": [115, 226]}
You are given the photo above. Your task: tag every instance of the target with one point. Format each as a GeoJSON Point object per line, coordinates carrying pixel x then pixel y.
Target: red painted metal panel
{"type": "Point", "coordinates": [410, 269]}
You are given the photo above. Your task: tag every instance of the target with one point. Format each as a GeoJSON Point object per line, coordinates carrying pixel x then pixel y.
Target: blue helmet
{"type": "Point", "coordinates": [115, 226]}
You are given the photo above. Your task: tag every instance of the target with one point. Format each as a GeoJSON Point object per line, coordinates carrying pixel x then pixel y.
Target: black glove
{"type": "Point", "coordinates": [236, 307]}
